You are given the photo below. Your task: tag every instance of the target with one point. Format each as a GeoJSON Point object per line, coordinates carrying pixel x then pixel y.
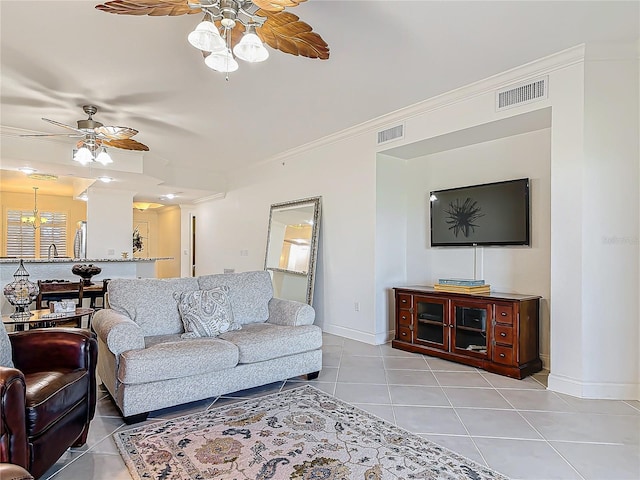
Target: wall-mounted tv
{"type": "Point", "coordinates": [488, 214]}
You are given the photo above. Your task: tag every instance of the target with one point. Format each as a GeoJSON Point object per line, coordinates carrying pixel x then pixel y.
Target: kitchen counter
{"type": "Point", "coordinates": [60, 269]}
{"type": "Point", "coordinates": [80, 260]}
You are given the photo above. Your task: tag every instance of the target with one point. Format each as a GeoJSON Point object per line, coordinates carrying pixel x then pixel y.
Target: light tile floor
{"type": "Point", "coordinates": [516, 427]}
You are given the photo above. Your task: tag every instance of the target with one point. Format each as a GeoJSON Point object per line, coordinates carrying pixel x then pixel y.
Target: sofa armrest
{"type": "Point", "coordinates": [13, 425]}
{"type": "Point", "coordinates": [48, 349]}
{"type": "Point", "coordinates": [290, 312]}
{"type": "Point", "coordinates": [117, 331]}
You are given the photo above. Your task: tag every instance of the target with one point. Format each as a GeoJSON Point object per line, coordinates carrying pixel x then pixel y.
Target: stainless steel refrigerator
{"type": "Point", "coordinates": [80, 240]}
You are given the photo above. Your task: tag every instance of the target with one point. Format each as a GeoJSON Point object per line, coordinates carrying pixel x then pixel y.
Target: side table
{"type": "Point", "coordinates": [45, 316]}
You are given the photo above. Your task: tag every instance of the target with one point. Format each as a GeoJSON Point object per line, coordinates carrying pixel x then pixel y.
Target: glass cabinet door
{"type": "Point", "coordinates": [471, 322]}
{"type": "Point", "coordinates": [430, 327]}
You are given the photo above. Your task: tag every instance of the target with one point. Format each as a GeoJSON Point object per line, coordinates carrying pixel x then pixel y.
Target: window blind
{"type": "Point", "coordinates": [53, 232]}
{"type": "Point", "coordinates": [24, 241]}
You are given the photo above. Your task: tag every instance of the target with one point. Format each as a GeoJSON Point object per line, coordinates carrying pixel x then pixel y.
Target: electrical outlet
{"type": "Point", "coordinates": [356, 306]}
{"type": "Point", "coordinates": [229, 270]}
{"type": "Point", "coordinates": [244, 253]}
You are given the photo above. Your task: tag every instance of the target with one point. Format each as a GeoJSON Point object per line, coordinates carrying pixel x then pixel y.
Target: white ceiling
{"type": "Point", "coordinates": [140, 71]}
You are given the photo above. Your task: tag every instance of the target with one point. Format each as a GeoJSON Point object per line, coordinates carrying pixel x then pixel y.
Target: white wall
{"type": "Point", "coordinates": [169, 242]}
{"type": "Point", "coordinates": [610, 222]}
{"type": "Point", "coordinates": [392, 259]}
{"type": "Point", "coordinates": [525, 270]}
{"type": "Point", "coordinates": [343, 174]}
{"type": "Point", "coordinates": [353, 262]}
{"type": "Point", "coordinates": [107, 238]}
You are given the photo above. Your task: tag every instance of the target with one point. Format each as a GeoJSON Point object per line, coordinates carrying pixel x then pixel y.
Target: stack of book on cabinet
{"type": "Point", "coordinates": [462, 285]}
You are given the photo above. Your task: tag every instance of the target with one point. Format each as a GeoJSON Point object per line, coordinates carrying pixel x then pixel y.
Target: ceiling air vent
{"type": "Point", "coordinates": [390, 134]}
{"type": "Point", "coordinates": [521, 94]}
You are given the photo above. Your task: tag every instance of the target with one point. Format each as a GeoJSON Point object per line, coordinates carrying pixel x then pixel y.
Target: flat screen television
{"type": "Point", "coordinates": [488, 214]}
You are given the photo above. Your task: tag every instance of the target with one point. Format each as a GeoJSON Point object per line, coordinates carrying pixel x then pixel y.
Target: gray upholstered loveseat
{"type": "Point", "coordinates": [146, 363]}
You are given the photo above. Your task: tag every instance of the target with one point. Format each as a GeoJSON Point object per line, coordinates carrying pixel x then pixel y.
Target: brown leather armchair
{"type": "Point", "coordinates": [48, 400]}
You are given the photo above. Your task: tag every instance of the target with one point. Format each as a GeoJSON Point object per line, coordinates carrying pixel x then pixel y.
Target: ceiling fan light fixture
{"type": "Point", "coordinates": [83, 156]}
{"type": "Point", "coordinates": [206, 37]}
{"type": "Point", "coordinates": [222, 62]}
{"type": "Point", "coordinates": [103, 157]}
{"type": "Point", "coordinates": [250, 48]}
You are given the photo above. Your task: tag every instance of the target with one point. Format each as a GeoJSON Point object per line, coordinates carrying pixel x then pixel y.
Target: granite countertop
{"type": "Point", "coordinates": [81, 260]}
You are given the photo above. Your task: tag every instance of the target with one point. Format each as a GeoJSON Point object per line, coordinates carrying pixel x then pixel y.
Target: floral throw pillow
{"type": "Point", "coordinates": [5, 349]}
{"type": "Point", "coordinates": [206, 313]}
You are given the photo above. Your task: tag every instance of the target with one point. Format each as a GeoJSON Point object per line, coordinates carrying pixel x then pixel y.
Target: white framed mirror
{"type": "Point", "coordinates": [292, 248]}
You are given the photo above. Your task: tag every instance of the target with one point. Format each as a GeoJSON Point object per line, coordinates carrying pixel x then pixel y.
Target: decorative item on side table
{"type": "Point", "coordinates": [85, 272]}
{"type": "Point", "coordinates": [21, 292]}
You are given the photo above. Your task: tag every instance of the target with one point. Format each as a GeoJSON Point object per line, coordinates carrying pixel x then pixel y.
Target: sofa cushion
{"type": "Point", "coordinates": [206, 313]}
{"type": "Point", "coordinates": [263, 341]}
{"type": "Point", "coordinates": [149, 302]}
{"type": "Point", "coordinates": [169, 356]}
{"type": "Point", "coordinates": [5, 349]}
{"type": "Point", "coordinates": [249, 293]}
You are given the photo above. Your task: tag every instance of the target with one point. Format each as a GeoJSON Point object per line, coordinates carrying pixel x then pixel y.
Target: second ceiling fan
{"type": "Point", "coordinates": [94, 137]}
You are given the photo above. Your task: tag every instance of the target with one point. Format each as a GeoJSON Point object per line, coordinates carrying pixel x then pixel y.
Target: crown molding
{"type": "Point", "coordinates": [536, 68]}
{"type": "Point", "coordinates": [215, 196]}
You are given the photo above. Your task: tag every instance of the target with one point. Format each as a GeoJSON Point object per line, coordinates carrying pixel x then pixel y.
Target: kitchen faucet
{"type": "Point", "coordinates": [55, 251]}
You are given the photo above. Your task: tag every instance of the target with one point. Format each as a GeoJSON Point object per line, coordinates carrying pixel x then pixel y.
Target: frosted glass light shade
{"type": "Point", "coordinates": [83, 156]}
{"type": "Point", "coordinates": [251, 49]}
{"type": "Point", "coordinates": [103, 157]}
{"type": "Point", "coordinates": [222, 62]}
{"type": "Point", "coordinates": [207, 38]}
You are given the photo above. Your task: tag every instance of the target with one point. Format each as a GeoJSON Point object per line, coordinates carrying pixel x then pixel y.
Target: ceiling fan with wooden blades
{"type": "Point", "coordinates": [235, 28]}
{"type": "Point", "coordinates": [94, 134]}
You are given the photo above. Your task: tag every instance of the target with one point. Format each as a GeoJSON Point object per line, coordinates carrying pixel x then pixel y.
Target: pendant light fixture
{"type": "Point", "coordinates": [34, 220]}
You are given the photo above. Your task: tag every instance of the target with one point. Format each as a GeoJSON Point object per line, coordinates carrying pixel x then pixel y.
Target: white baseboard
{"type": "Point", "coordinates": [545, 361]}
{"type": "Point", "coordinates": [595, 390]}
{"type": "Point", "coordinates": [371, 339]}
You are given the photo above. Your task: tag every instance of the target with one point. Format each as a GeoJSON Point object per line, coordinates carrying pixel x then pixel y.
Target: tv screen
{"type": "Point", "coordinates": [488, 214]}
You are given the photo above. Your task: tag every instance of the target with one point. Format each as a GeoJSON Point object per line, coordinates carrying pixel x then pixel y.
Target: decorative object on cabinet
{"type": "Point", "coordinates": [497, 332]}
{"type": "Point", "coordinates": [21, 292]}
{"type": "Point", "coordinates": [446, 287]}
{"type": "Point", "coordinates": [461, 282]}
{"type": "Point", "coordinates": [85, 272]}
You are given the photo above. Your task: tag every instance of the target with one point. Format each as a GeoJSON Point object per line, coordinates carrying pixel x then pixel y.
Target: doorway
{"type": "Point", "coordinates": [193, 245]}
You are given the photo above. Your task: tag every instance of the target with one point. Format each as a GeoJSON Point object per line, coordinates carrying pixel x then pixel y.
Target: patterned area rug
{"type": "Point", "coordinates": [301, 433]}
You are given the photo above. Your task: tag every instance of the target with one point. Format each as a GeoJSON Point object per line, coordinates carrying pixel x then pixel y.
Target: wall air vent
{"type": "Point", "coordinates": [523, 93]}
{"type": "Point", "coordinates": [390, 134]}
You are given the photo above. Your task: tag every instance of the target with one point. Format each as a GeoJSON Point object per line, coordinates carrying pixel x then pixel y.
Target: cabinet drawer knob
{"type": "Point", "coordinates": [504, 314]}
{"type": "Point", "coordinates": [502, 355]}
{"type": "Point", "coordinates": [502, 334]}
{"type": "Point", "coordinates": [404, 301]}
{"type": "Point", "coordinates": [404, 334]}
